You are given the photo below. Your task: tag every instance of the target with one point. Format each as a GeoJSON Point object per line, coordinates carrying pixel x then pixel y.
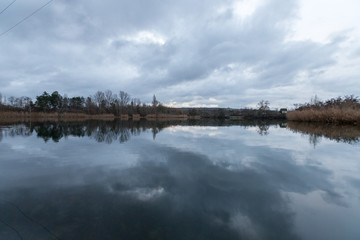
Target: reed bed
{"type": "Point", "coordinates": [136, 117]}
{"type": "Point", "coordinates": [38, 116]}
{"type": "Point", "coordinates": [166, 117]}
{"type": "Point", "coordinates": [327, 115]}
{"type": "Point", "coordinates": [124, 116]}
{"type": "Point", "coordinates": [194, 117]}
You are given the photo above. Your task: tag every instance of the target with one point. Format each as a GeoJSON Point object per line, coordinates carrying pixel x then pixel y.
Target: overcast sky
{"type": "Point", "coordinates": [225, 53]}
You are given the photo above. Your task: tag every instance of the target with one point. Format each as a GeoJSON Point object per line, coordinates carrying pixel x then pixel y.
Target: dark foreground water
{"type": "Point", "coordinates": [120, 180]}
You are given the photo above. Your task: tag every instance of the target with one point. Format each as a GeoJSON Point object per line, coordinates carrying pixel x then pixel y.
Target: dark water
{"type": "Point", "coordinates": [123, 180]}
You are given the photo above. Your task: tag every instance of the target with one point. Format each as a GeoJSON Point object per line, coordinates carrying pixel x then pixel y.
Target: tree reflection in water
{"type": "Point", "coordinates": [339, 133]}
{"type": "Point", "coordinates": [121, 131]}
{"type": "Point", "coordinates": [117, 130]}
{"type": "Point", "coordinates": [173, 191]}
{"type": "Point", "coordinates": [100, 131]}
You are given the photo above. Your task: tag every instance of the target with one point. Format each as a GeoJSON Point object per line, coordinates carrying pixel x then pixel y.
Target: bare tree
{"type": "Point", "coordinates": [109, 98]}
{"type": "Point", "coordinates": [263, 105]}
{"type": "Point", "coordinates": [27, 103]}
{"type": "Point", "coordinates": [315, 100]}
{"type": "Point", "coordinates": [88, 104]}
{"type": "Point", "coordinates": [11, 101]}
{"type": "Point", "coordinates": [19, 102]}
{"type": "Point", "coordinates": [124, 98]}
{"type": "Point", "coordinates": [99, 99]}
{"type": "Point", "coordinates": [135, 102]}
{"type": "Point", "coordinates": [0, 98]}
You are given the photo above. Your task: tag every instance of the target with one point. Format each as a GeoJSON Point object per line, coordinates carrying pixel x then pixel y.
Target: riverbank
{"type": "Point", "coordinates": [11, 117]}
{"type": "Point", "coordinates": [328, 115]}
{"type": "Point", "coordinates": [38, 116]}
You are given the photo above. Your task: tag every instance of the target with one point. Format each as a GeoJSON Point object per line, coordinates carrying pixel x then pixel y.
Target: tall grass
{"type": "Point", "coordinates": [38, 116]}
{"type": "Point", "coordinates": [166, 117]}
{"type": "Point", "coordinates": [329, 115]}
{"type": "Point", "coordinates": [12, 116]}
{"type": "Point", "coordinates": [338, 111]}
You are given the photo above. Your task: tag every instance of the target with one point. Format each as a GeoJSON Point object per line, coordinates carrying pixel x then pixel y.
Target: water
{"type": "Point", "coordinates": [123, 180]}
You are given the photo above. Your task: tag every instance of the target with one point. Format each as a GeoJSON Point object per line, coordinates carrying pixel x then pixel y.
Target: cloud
{"type": "Point", "coordinates": [169, 192]}
{"type": "Point", "coordinates": [186, 195]}
{"type": "Point", "coordinates": [209, 182]}
{"type": "Point", "coordinates": [183, 50]}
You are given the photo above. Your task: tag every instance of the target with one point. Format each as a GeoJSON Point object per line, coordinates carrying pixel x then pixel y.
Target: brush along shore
{"type": "Point", "coordinates": [38, 116]}
{"type": "Point", "coordinates": [344, 110]}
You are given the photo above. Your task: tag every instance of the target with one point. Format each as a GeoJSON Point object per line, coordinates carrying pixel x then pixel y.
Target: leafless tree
{"type": "Point", "coordinates": [124, 98]}
{"type": "Point", "coordinates": [263, 105]}
{"type": "Point", "coordinates": [99, 99]}
{"type": "Point", "coordinates": [109, 98]}
{"type": "Point", "coordinates": [19, 102]}
{"type": "Point", "coordinates": [135, 102]}
{"type": "Point", "coordinates": [11, 101]}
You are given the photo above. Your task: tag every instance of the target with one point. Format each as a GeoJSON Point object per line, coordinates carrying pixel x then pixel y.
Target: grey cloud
{"type": "Point", "coordinates": [164, 186]}
{"type": "Point", "coordinates": [184, 176]}
{"type": "Point", "coordinates": [213, 45]}
{"type": "Point", "coordinates": [206, 199]}
{"type": "Point", "coordinates": [66, 46]}
{"type": "Point", "coordinates": [356, 53]}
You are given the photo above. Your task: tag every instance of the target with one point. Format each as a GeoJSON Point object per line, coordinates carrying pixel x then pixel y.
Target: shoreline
{"type": "Point", "coordinates": [326, 116]}
{"type": "Point", "coordinates": [12, 117]}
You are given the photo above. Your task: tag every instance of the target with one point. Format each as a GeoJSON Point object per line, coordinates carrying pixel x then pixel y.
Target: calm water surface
{"type": "Point", "coordinates": [118, 180]}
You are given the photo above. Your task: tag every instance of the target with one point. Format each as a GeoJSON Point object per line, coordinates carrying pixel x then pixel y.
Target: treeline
{"type": "Point", "coordinates": [108, 102]}
{"type": "Point", "coordinates": [100, 103]}
{"type": "Point", "coordinates": [336, 110]}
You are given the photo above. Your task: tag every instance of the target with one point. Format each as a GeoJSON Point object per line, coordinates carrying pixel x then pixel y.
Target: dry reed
{"type": "Point", "coordinates": [166, 117]}
{"type": "Point", "coordinates": [136, 117]}
{"type": "Point", "coordinates": [328, 115]}
{"type": "Point", "coordinates": [38, 116]}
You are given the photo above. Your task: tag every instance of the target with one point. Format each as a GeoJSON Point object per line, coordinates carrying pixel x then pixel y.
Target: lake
{"type": "Point", "coordinates": [179, 180]}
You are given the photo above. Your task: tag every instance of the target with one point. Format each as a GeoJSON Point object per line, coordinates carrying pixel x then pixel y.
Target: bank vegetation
{"type": "Point", "coordinates": [102, 105]}
{"type": "Point", "coordinates": [341, 110]}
